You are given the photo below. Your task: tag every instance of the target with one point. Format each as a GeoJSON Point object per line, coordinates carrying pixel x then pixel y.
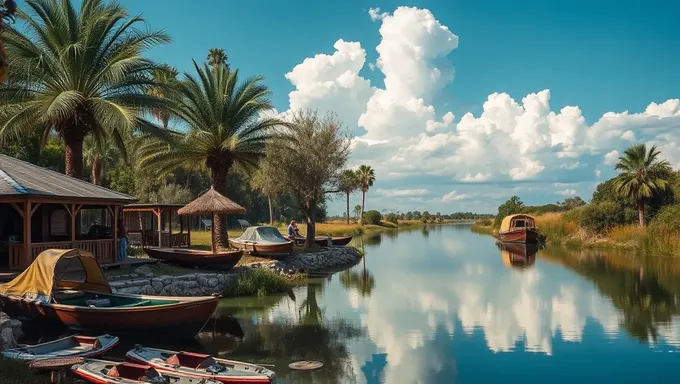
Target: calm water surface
{"type": "Point", "coordinates": [446, 305]}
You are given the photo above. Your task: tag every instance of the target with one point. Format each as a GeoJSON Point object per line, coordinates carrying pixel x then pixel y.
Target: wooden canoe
{"type": "Point", "coordinates": [268, 249]}
{"type": "Point", "coordinates": [521, 235]}
{"type": "Point", "coordinates": [201, 366]}
{"type": "Point", "coordinates": [322, 241]}
{"type": "Point", "coordinates": [71, 346]}
{"type": "Point", "coordinates": [114, 312]}
{"type": "Point", "coordinates": [109, 372]}
{"type": "Point", "coordinates": [222, 260]}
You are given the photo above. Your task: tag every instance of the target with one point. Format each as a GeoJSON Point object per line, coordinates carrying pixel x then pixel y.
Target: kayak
{"type": "Point", "coordinates": [109, 372]}
{"type": "Point", "coordinates": [71, 346]}
{"type": "Point", "coordinates": [200, 365]}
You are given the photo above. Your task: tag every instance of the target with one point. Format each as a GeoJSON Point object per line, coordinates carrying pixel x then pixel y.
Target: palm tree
{"type": "Point", "coordinates": [78, 73]}
{"type": "Point", "coordinates": [8, 9]}
{"type": "Point", "coordinates": [642, 175]}
{"type": "Point", "coordinates": [366, 176]}
{"type": "Point", "coordinates": [349, 182]}
{"type": "Point", "coordinates": [217, 58]}
{"type": "Point", "coordinates": [225, 128]}
{"type": "Point", "coordinates": [96, 153]}
{"type": "Point", "coordinates": [167, 78]}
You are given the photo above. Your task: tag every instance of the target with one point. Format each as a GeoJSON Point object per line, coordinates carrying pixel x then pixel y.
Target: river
{"type": "Point", "coordinates": [445, 305]}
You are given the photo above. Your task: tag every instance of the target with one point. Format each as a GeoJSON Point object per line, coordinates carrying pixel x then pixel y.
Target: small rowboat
{"type": "Point", "coordinates": [202, 366]}
{"type": "Point", "coordinates": [222, 260]}
{"type": "Point", "coordinates": [71, 346]}
{"type": "Point", "coordinates": [322, 241]}
{"type": "Point", "coordinates": [109, 372]}
{"type": "Point", "coordinates": [263, 241]}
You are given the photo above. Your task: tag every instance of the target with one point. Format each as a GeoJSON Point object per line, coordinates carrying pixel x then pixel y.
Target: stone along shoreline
{"type": "Point", "coordinates": [207, 283]}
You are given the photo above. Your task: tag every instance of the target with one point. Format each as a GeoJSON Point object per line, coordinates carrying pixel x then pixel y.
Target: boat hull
{"type": "Point", "coordinates": [224, 260]}
{"type": "Point", "coordinates": [99, 372]}
{"type": "Point", "coordinates": [323, 241]}
{"type": "Point", "coordinates": [523, 235]}
{"type": "Point", "coordinates": [71, 346]}
{"type": "Point", "coordinates": [275, 251]}
{"type": "Point", "coordinates": [185, 318]}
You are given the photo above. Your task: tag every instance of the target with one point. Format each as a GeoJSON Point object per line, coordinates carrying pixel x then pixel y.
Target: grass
{"type": "Point", "coordinates": [484, 227]}
{"type": "Point", "coordinates": [257, 282]}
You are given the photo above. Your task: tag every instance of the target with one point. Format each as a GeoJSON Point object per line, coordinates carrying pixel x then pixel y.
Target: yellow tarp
{"type": "Point", "coordinates": [58, 268]}
{"type": "Point", "coordinates": [507, 221]}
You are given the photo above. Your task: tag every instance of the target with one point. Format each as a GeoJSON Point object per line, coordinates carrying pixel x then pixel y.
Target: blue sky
{"type": "Point", "coordinates": [600, 56]}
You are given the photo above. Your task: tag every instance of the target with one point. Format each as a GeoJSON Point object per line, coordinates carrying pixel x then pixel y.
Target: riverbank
{"type": "Point", "coordinates": [175, 281]}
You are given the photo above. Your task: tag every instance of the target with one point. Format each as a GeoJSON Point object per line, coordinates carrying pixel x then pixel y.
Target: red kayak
{"type": "Point", "coordinates": [201, 366]}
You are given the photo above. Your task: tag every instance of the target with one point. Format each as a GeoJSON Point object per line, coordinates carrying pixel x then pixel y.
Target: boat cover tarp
{"type": "Point", "coordinates": [262, 235]}
{"type": "Point", "coordinates": [58, 268]}
{"type": "Point", "coordinates": [507, 221]}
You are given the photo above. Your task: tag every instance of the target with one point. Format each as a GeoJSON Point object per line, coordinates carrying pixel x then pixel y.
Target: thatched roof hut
{"type": "Point", "coordinates": [212, 202]}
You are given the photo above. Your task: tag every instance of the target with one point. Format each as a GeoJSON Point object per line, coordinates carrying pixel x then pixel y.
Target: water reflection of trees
{"type": "Point", "coordinates": [363, 281]}
{"type": "Point", "coordinates": [646, 302]}
{"type": "Point", "coordinates": [372, 240]}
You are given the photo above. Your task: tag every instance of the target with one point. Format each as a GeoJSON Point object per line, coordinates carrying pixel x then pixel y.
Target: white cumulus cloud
{"type": "Point", "coordinates": [612, 157]}
{"type": "Point", "coordinates": [453, 196]}
{"type": "Point", "coordinates": [402, 192]}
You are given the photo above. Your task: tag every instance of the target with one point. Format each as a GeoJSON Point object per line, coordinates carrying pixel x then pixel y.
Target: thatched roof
{"type": "Point", "coordinates": [212, 202]}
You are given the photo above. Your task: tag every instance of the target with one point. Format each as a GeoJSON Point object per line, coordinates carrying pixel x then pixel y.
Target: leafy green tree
{"type": "Point", "coordinates": [78, 73]}
{"type": "Point", "coordinates": [349, 183]}
{"type": "Point", "coordinates": [642, 175]}
{"type": "Point", "coordinates": [307, 159]}
{"type": "Point", "coordinates": [366, 176]}
{"type": "Point", "coordinates": [226, 128]}
{"type": "Point", "coordinates": [269, 186]}
{"type": "Point", "coordinates": [572, 202]}
{"type": "Point", "coordinates": [512, 206]}
{"type": "Point", "coordinates": [357, 212]}
{"type": "Point", "coordinates": [97, 153]}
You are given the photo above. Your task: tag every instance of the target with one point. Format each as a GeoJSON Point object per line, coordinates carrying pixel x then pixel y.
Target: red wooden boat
{"type": "Point", "coordinates": [202, 366]}
{"type": "Point", "coordinates": [109, 372]}
{"type": "Point", "coordinates": [519, 229]}
{"type": "Point", "coordinates": [263, 241]}
{"type": "Point", "coordinates": [222, 260]}
{"type": "Point", "coordinates": [69, 287]}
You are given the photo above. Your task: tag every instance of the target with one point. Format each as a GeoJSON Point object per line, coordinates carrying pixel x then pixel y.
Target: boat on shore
{"type": "Point", "coordinates": [185, 257]}
{"type": "Point", "coordinates": [519, 228]}
{"type": "Point", "coordinates": [68, 287]}
{"type": "Point", "coordinates": [202, 366]}
{"type": "Point", "coordinates": [263, 241]}
{"type": "Point", "coordinates": [109, 372]}
{"type": "Point", "coordinates": [71, 346]}
{"type": "Point", "coordinates": [322, 241]}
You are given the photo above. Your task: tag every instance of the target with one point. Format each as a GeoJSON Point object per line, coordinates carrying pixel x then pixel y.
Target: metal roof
{"type": "Point", "coordinates": [19, 178]}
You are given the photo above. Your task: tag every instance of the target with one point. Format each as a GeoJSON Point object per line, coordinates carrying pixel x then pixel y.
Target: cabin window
{"type": "Point", "coordinates": [520, 224]}
{"type": "Point", "coordinates": [58, 223]}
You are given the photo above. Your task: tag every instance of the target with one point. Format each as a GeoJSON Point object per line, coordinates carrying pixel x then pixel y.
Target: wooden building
{"type": "Point", "coordinates": [42, 209]}
{"type": "Point", "coordinates": [151, 225]}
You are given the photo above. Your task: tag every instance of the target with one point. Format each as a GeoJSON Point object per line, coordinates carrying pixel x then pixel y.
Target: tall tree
{"type": "Point", "coordinates": [307, 159]}
{"type": "Point", "coordinates": [8, 9]}
{"type": "Point", "coordinates": [217, 58]}
{"type": "Point", "coordinates": [96, 154]}
{"type": "Point", "coordinates": [349, 183]}
{"type": "Point", "coordinates": [78, 73]}
{"type": "Point", "coordinates": [226, 128]}
{"type": "Point", "coordinates": [166, 77]}
{"type": "Point", "coordinates": [269, 186]}
{"type": "Point", "coordinates": [366, 176]}
{"type": "Point", "coordinates": [642, 175]}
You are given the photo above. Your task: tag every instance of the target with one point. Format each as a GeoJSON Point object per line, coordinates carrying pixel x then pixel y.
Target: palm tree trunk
{"type": "Point", "coordinates": [641, 213]}
{"type": "Point", "coordinates": [347, 208]}
{"type": "Point", "coordinates": [271, 211]}
{"type": "Point", "coordinates": [220, 236]}
{"type": "Point", "coordinates": [73, 155]}
{"type": "Point", "coordinates": [96, 171]}
{"type": "Point", "coordinates": [363, 203]}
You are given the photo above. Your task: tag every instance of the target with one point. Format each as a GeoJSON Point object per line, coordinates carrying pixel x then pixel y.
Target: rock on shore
{"type": "Point", "coordinates": [10, 332]}
{"type": "Point", "coordinates": [201, 284]}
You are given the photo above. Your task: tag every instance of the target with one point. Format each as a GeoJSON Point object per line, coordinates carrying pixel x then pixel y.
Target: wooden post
{"type": "Point", "coordinates": [188, 231]}
{"type": "Point", "coordinates": [28, 257]}
{"type": "Point", "coordinates": [170, 228]}
{"type": "Point", "coordinates": [212, 233]}
{"type": "Point", "coordinates": [115, 234]}
{"type": "Point", "coordinates": [142, 225]}
{"type": "Point", "coordinates": [73, 224]}
{"type": "Point", "coordinates": [159, 216]}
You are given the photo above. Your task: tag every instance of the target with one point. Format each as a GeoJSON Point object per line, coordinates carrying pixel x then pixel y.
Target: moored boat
{"type": "Point", "coordinates": [68, 287]}
{"type": "Point", "coordinates": [263, 241]}
{"type": "Point", "coordinates": [200, 365]}
{"type": "Point", "coordinates": [109, 372]}
{"type": "Point", "coordinates": [71, 346]}
{"type": "Point", "coordinates": [519, 228]}
{"type": "Point", "coordinates": [322, 241]}
{"type": "Point", "coordinates": [221, 260]}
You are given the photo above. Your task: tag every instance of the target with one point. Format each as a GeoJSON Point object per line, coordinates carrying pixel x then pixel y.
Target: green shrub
{"type": "Point", "coordinates": [667, 221]}
{"type": "Point", "coordinates": [485, 222]}
{"type": "Point", "coordinates": [599, 217]}
{"type": "Point", "coordinates": [372, 217]}
{"type": "Point", "coordinates": [257, 282]}
{"type": "Point", "coordinates": [392, 218]}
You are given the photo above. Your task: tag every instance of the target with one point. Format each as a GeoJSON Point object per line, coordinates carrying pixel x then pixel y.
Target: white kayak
{"type": "Point", "coordinates": [109, 372]}
{"type": "Point", "coordinates": [71, 346]}
{"type": "Point", "coordinates": [199, 365]}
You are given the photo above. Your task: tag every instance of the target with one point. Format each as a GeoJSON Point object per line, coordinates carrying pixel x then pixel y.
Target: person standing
{"type": "Point", "coordinates": [122, 240]}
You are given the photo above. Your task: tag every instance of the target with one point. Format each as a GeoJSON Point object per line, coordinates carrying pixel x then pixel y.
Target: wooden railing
{"type": "Point", "coordinates": [103, 251]}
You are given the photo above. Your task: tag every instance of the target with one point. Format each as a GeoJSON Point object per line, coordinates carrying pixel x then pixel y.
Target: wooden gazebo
{"type": "Point", "coordinates": [42, 209]}
{"type": "Point", "coordinates": [146, 225]}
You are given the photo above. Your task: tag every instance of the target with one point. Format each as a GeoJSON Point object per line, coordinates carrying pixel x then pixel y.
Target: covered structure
{"type": "Point", "coordinates": [42, 209]}
{"type": "Point", "coordinates": [150, 225]}
{"type": "Point", "coordinates": [518, 221]}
